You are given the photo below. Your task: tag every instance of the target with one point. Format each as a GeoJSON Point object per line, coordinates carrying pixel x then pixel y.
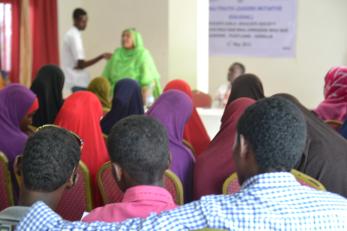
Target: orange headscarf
{"type": "Point", "coordinates": [194, 131]}
{"type": "Point", "coordinates": [81, 113]}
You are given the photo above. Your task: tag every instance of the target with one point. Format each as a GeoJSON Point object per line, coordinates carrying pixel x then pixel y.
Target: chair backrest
{"type": "Point", "coordinates": [78, 199]}
{"type": "Point", "coordinates": [190, 147]}
{"type": "Point", "coordinates": [111, 193]}
{"type": "Point", "coordinates": [201, 99]}
{"type": "Point", "coordinates": [335, 124]}
{"type": "Point", "coordinates": [32, 128]}
{"type": "Point", "coordinates": [231, 184]}
{"type": "Point", "coordinates": [6, 191]}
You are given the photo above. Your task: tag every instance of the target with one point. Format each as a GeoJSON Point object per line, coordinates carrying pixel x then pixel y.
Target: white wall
{"type": "Point", "coordinates": [321, 44]}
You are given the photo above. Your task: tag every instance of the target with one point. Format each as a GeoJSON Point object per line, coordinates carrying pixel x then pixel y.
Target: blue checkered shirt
{"type": "Point", "coordinates": [271, 201]}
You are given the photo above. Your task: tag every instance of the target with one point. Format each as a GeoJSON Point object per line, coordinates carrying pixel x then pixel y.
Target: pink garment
{"type": "Point", "coordinates": [334, 106]}
{"type": "Point", "coordinates": [138, 202]}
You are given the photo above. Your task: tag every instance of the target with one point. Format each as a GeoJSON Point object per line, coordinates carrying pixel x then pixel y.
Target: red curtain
{"type": "Point", "coordinates": [14, 68]}
{"type": "Point", "coordinates": [44, 33]}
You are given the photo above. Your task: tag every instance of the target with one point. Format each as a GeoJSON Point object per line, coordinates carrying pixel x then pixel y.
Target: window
{"type": "Point", "coordinates": [5, 36]}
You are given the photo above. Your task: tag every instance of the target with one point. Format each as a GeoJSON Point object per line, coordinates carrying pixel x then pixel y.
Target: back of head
{"type": "Point", "coordinates": [139, 145]}
{"type": "Point", "coordinates": [78, 12]}
{"type": "Point", "coordinates": [276, 131]}
{"type": "Point", "coordinates": [49, 159]}
{"type": "Point", "coordinates": [241, 66]}
{"type": "Point", "coordinates": [180, 85]}
{"type": "Point", "coordinates": [247, 85]}
{"type": "Point", "coordinates": [101, 87]}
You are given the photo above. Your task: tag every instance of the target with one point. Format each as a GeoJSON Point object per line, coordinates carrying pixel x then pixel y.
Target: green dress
{"type": "Point", "coordinates": [136, 63]}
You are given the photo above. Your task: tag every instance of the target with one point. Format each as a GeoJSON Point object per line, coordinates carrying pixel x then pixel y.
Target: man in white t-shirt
{"type": "Point", "coordinates": [73, 56]}
{"type": "Point", "coordinates": [224, 90]}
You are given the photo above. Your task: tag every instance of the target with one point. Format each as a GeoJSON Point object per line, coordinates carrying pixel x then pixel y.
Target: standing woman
{"type": "Point", "coordinates": [134, 61]}
{"type": "Point", "coordinates": [48, 86]}
{"type": "Point", "coordinates": [127, 100]}
{"type": "Point", "coordinates": [194, 131]}
{"type": "Point", "coordinates": [81, 113]}
{"type": "Point", "coordinates": [334, 105]}
{"type": "Point", "coordinates": [173, 109]}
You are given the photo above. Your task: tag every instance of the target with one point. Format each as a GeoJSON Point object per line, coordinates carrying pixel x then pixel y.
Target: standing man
{"type": "Point", "coordinates": [73, 56]}
{"type": "Point", "coordinates": [224, 90]}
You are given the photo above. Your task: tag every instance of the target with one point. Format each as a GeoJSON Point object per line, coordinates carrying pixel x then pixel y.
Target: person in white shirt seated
{"type": "Point", "coordinates": [47, 167]}
{"type": "Point", "coordinates": [73, 58]}
{"type": "Point", "coordinates": [224, 90]}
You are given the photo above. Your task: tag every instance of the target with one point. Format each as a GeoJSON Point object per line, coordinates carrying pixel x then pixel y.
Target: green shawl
{"type": "Point", "coordinates": [136, 63]}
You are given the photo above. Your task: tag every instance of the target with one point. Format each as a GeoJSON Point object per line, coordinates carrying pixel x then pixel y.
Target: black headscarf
{"type": "Point", "coordinates": [127, 100]}
{"type": "Point", "coordinates": [325, 155]}
{"type": "Point", "coordinates": [247, 85]}
{"type": "Point", "coordinates": [48, 87]}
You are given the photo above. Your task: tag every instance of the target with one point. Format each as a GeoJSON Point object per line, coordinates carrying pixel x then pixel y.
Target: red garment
{"type": "Point", "coordinates": [194, 131]}
{"type": "Point", "coordinates": [215, 164]}
{"type": "Point", "coordinates": [334, 106]}
{"type": "Point", "coordinates": [81, 113]}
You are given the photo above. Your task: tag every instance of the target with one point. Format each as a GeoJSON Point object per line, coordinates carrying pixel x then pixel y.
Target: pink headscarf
{"type": "Point", "coordinates": [334, 106]}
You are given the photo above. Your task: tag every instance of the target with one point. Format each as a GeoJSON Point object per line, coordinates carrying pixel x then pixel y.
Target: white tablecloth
{"type": "Point", "coordinates": [211, 119]}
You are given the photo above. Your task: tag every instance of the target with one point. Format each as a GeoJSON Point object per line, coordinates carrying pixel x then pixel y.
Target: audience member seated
{"type": "Point", "coordinates": [271, 137]}
{"type": "Point", "coordinates": [224, 90]}
{"type": "Point", "coordinates": [101, 88]}
{"type": "Point", "coordinates": [48, 87]}
{"type": "Point", "coordinates": [17, 107]}
{"type": "Point", "coordinates": [334, 105]}
{"type": "Point", "coordinates": [173, 109]}
{"type": "Point", "coordinates": [247, 85]}
{"type": "Point", "coordinates": [215, 164]}
{"type": "Point", "coordinates": [134, 61]}
{"type": "Point", "coordinates": [81, 113]}
{"type": "Point", "coordinates": [324, 157]}
{"type": "Point", "coordinates": [47, 167]}
{"type": "Point", "coordinates": [194, 131]}
{"type": "Point", "coordinates": [139, 152]}
{"type": "Point", "coordinates": [127, 100]}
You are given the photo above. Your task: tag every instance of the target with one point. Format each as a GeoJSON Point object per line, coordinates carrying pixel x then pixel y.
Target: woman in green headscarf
{"type": "Point", "coordinates": [134, 61]}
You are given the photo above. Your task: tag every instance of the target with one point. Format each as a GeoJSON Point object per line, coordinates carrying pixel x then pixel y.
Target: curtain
{"type": "Point", "coordinates": [45, 33]}
{"type": "Point", "coordinates": [25, 58]}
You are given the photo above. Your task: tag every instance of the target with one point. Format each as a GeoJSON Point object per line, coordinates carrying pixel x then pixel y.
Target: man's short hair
{"type": "Point", "coordinates": [49, 159]}
{"type": "Point", "coordinates": [139, 144]}
{"type": "Point", "coordinates": [241, 66]}
{"type": "Point", "coordinates": [78, 12]}
{"type": "Point", "coordinates": [276, 130]}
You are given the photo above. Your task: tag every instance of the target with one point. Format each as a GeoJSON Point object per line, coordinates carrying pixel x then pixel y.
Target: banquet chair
{"type": "Point", "coordinates": [6, 191]}
{"type": "Point", "coordinates": [190, 147]}
{"type": "Point", "coordinates": [78, 199]}
{"type": "Point", "coordinates": [201, 99]}
{"type": "Point", "coordinates": [335, 124]}
{"type": "Point", "coordinates": [111, 193]}
{"type": "Point", "coordinates": [231, 184]}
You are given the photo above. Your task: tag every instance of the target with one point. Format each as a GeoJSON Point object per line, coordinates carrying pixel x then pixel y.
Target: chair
{"type": "Point", "coordinates": [6, 191]}
{"type": "Point", "coordinates": [190, 147]}
{"type": "Point", "coordinates": [201, 99]}
{"type": "Point", "coordinates": [78, 199]}
{"type": "Point", "coordinates": [111, 193]}
{"type": "Point", "coordinates": [335, 124]}
{"type": "Point", "coordinates": [32, 128]}
{"type": "Point", "coordinates": [231, 184]}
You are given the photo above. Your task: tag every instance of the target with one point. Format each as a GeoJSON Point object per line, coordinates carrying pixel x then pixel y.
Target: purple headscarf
{"type": "Point", "coordinates": [173, 109]}
{"type": "Point", "coordinates": [15, 102]}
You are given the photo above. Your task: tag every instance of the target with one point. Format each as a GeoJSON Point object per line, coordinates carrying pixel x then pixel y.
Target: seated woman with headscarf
{"type": "Point", "coordinates": [247, 85]}
{"type": "Point", "coordinates": [334, 105]}
{"type": "Point", "coordinates": [325, 157]}
{"type": "Point", "coordinates": [101, 88]}
{"type": "Point", "coordinates": [173, 109]}
{"type": "Point", "coordinates": [127, 100]}
{"type": "Point", "coordinates": [48, 86]}
{"type": "Point", "coordinates": [134, 61]}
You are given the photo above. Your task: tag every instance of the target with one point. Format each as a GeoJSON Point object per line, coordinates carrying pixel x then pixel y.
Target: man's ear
{"type": "Point", "coordinates": [117, 172]}
{"type": "Point", "coordinates": [169, 161]}
{"type": "Point", "coordinates": [244, 148]}
{"type": "Point", "coordinates": [17, 169]}
{"type": "Point", "coordinates": [73, 178]}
